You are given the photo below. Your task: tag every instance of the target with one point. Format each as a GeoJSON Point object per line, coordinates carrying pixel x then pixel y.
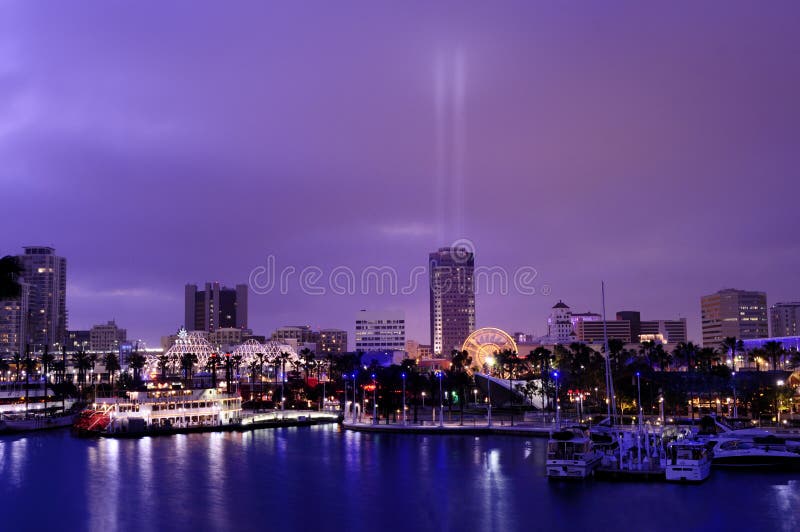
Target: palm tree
{"type": "Point", "coordinates": [237, 362]}
{"type": "Point", "coordinates": [136, 362]}
{"type": "Point", "coordinates": [774, 351]}
{"type": "Point", "coordinates": [543, 357]}
{"type": "Point", "coordinates": [80, 360]}
{"type": "Point", "coordinates": [17, 357]}
{"type": "Point", "coordinates": [260, 357]}
{"type": "Point", "coordinates": [47, 360]}
{"type": "Point", "coordinates": [211, 366]}
{"type": "Point", "coordinates": [307, 356]}
{"type": "Point", "coordinates": [188, 360]}
{"type": "Point", "coordinates": [163, 364]}
{"type": "Point", "coordinates": [647, 351]}
{"type": "Point", "coordinates": [111, 362]}
{"type": "Point", "coordinates": [461, 361]}
{"type": "Point", "coordinates": [756, 356]}
{"type": "Point", "coordinates": [253, 367]}
{"type": "Point", "coordinates": [30, 367]}
{"type": "Point", "coordinates": [283, 358]}
{"type": "Point", "coordinates": [662, 357]}
{"type": "Point", "coordinates": [733, 345]}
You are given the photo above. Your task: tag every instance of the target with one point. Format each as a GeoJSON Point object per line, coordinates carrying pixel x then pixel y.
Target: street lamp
{"type": "Point", "coordinates": [777, 399]}
{"type": "Point", "coordinates": [735, 407]}
{"type": "Point", "coordinates": [403, 375]}
{"type": "Point", "coordinates": [374, 400]}
{"type": "Point", "coordinates": [355, 389]}
{"type": "Point", "coordinates": [489, 362]}
{"type": "Point", "coordinates": [639, 393]}
{"type": "Point", "coordinates": [423, 401]}
{"type": "Point", "coordinates": [475, 396]}
{"type": "Point", "coordinates": [441, 402]}
{"type": "Point", "coordinates": [558, 408]}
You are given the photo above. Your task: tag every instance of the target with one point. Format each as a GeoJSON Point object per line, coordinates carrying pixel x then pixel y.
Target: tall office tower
{"type": "Point", "coordinates": [738, 313]}
{"type": "Point", "coordinates": [215, 307]}
{"type": "Point", "coordinates": [785, 319]}
{"type": "Point", "coordinates": [452, 298]}
{"type": "Point", "coordinates": [559, 325]}
{"type": "Point", "coordinates": [14, 313]}
{"type": "Point", "coordinates": [46, 274]}
{"type": "Point", "coordinates": [380, 331]}
{"type": "Point", "coordinates": [107, 337]}
{"type": "Point", "coordinates": [332, 342]}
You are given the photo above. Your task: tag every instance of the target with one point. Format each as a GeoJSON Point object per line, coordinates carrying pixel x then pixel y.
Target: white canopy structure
{"type": "Point", "coordinates": [195, 343]}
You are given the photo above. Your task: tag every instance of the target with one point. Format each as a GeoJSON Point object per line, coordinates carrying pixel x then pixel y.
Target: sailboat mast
{"type": "Point", "coordinates": [611, 401]}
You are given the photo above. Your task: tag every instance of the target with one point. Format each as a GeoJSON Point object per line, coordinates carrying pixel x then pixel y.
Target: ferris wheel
{"type": "Point", "coordinates": [486, 342]}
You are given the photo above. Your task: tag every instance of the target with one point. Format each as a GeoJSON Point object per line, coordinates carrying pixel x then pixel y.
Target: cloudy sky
{"type": "Point", "coordinates": [156, 143]}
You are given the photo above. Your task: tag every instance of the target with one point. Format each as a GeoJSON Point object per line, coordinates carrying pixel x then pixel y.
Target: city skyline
{"type": "Point", "coordinates": [611, 157]}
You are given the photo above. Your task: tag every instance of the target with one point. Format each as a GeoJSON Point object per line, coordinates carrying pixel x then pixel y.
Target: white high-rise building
{"type": "Point", "coordinates": [380, 331]}
{"type": "Point", "coordinates": [559, 325]}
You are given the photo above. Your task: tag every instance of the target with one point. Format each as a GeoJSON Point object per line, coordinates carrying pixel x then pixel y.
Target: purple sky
{"type": "Point", "coordinates": [155, 144]}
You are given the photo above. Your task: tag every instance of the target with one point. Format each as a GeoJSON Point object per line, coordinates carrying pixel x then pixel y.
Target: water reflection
{"type": "Point", "coordinates": [326, 479]}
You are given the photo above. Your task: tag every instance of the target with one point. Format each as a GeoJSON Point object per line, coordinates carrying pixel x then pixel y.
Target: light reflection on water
{"type": "Point", "coordinates": [323, 478]}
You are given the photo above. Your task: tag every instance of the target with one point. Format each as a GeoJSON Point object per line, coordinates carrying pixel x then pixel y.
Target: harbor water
{"type": "Point", "coordinates": [324, 478]}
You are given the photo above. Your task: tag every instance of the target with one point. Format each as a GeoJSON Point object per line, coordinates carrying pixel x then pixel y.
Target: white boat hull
{"type": "Point", "coordinates": [578, 469]}
{"type": "Point", "coordinates": [688, 472]}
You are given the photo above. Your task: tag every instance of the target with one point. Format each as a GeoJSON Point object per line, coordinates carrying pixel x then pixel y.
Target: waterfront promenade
{"type": "Point", "coordinates": [471, 425]}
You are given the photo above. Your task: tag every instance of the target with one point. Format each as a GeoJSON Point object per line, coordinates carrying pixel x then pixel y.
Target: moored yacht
{"type": "Point", "coordinates": [687, 461]}
{"type": "Point", "coordinates": [759, 451]}
{"type": "Point", "coordinates": [571, 454]}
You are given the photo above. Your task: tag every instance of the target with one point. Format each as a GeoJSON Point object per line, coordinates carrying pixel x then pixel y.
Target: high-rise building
{"type": "Point", "coordinates": [332, 342]}
{"type": "Point", "coordinates": [452, 298]}
{"type": "Point", "coordinates": [559, 324]}
{"type": "Point", "coordinates": [14, 318]}
{"type": "Point", "coordinates": [738, 313]}
{"type": "Point", "coordinates": [593, 331]}
{"type": "Point", "coordinates": [106, 337]}
{"type": "Point", "coordinates": [672, 331]}
{"type": "Point", "coordinates": [784, 319]}
{"type": "Point", "coordinates": [46, 273]}
{"type": "Point", "coordinates": [215, 307]}
{"type": "Point", "coordinates": [380, 331]}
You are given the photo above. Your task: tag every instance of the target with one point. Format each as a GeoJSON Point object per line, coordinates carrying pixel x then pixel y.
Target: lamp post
{"type": "Point", "coordinates": [403, 376]}
{"type": "Point", "coordinates": [735, 407]}
{"type": "Point", "coordinates": [344, 407]}
{"type": "Point", "coordinates": [558, 407]}
{"type": "Point", "coordinates": [355, 398]}
{"type": "Point", "coordinates": [475, 396]}
{"type": "Point", "coordinates": [777, 399]}
{"type": "Point", "coordinates": [639, 394]}
{"type": "Point", "coordinates": [441, 402]}
{"type": "Point", "coordinates": [374, 400]}
{"type": "Point", "coordinates": [489, 363]}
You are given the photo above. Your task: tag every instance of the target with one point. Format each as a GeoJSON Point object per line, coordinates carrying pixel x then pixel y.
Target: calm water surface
{"type": "Point", "coordinates": [322, 478]}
